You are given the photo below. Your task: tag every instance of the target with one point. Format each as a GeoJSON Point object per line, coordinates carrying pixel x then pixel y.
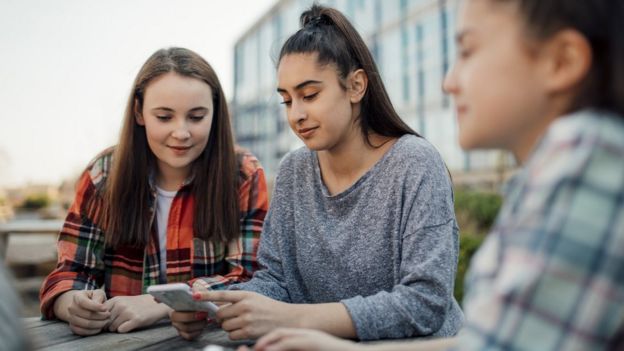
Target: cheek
{"type": "Point", "coordinates": [154, 132]}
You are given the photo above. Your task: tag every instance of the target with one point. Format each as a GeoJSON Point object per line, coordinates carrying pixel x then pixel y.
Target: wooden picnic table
{"type": "Point", "coordinates": [56, 335]}
{"type": "Point", "coordinates": [52, 226]}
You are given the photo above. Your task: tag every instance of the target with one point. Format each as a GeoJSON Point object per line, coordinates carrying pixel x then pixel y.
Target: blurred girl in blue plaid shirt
{"type": "Point", "coordinates": [543, 79]}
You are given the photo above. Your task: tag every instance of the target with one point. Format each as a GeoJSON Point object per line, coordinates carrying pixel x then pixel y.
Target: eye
{"type": "Point", "coordinates": [197, 118]}
{"type": "Point", "coordinates": [464, 53]}
{"type": "Point", "coordinates": [286, 102]}
{"type": "Point", "coordinates": [310, 97]}
{"type": "Point", "coordinates": [163, 118]}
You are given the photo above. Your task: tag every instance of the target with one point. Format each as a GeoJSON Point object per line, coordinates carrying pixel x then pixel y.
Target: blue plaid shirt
{"type": "Point", "coordinates": [550, 276]}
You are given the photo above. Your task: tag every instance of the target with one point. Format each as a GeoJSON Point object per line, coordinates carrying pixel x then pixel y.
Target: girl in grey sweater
{"type": "Point", "coordinates": [361, 239]}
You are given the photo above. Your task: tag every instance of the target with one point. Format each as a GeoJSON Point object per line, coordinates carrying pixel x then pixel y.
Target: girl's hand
{"type": "Point", "coordinates": [250, 315]}
{"type": "Point", "coordinates": [300, 339]}
{"type": "Point", "coordinates": [189, 324]}
{"type": "Point", "coordinates": [131, 312]}
{"type": "Point", "coordinates": [84, 310]}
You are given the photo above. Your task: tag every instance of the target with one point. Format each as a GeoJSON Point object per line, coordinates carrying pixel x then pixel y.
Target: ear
{"type": "Point", "coordinates": [358, 83]}
{"type": "Point", "coordinates": [568, 61]}
{"type": "Point", "coordinates": [138, 115]}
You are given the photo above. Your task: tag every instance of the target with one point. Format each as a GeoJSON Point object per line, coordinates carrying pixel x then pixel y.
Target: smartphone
{"type": "Point", "coordinates": [179, 296]}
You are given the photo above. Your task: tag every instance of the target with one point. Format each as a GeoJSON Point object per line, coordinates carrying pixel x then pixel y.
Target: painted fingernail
{"type": "Point", "coordinates": [201, 316]}
{"type": "Point", "coordinates": [197, 296]}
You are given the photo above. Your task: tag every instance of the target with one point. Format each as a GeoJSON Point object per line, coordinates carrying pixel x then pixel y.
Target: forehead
{"type": "Point", "coordinates": [296, 68]}
{"type": "Point", "coordinates": [172, 87]}
{"type": "Point", "coordinates": [488, 17]}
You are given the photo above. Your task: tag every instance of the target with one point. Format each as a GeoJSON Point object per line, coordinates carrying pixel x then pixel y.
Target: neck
{"type": "Point", "coordinates": [527, 141]}
{"type": "Point", "coordinates": [344, 164]}
{"type": "Point", "coordinates": [171, 179]}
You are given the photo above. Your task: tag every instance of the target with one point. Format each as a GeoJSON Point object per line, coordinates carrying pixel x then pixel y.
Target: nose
{"type": "Point", "coordinates": [181, 131]}
{"type": "Point", "coordinates": [449, 85]}
{"type": "Point", "coordinates": [297, 113]}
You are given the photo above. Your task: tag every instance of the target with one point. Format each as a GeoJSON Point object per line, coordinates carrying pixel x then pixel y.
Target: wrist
{"type": "Point", "coordinates": [302, 317]}
{"type": "Point", "coordinates": [61, 303]}
{"type": "Point", "coordinates": [160, 309]}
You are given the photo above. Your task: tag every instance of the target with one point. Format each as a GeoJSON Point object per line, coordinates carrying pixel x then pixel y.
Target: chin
{"type": "Point", "coordinates": [468, 143]}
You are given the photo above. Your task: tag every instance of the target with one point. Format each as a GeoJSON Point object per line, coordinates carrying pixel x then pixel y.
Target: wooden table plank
{"type": "Point", "coordinates": [55, 335]}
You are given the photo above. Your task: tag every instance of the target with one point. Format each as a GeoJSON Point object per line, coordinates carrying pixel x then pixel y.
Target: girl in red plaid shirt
{"type": "Point", "coordinates": [174, 201]}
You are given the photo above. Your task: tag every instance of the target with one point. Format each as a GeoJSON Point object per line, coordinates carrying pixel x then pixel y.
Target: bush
{"type": "Point", "coordinates": [468, 245]}
{"type": "Point", "coordinates": [35, 202]}
{"type": "Point", "coordinates": [477, 210]}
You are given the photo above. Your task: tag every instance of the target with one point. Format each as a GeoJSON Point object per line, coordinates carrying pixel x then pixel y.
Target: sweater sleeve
{"type": "Point", "coordinates": [80, 249]}
{"type": "Point", "coordinates": [422, 302]}
{"type": "Point", "coordinates": [269, 280]}
{"type": "Point", "coordinates": [241, 255]}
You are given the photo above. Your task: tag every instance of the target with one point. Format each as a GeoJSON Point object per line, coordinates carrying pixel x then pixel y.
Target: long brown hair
{"type": "Point", "coordinates": [127, 217]}
{"type": "Point", "coordinates": [329, 33]}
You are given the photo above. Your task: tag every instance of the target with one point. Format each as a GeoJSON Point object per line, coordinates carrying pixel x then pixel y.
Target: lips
{"type": "Point", "coordinates": [179, 149]}
{"type": "Point", "coordinates": [306, 132]}
{"type": "Point", "coordinates": [461, 110]}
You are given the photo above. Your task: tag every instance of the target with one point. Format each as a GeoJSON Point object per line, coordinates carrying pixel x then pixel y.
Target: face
{"type": "Point", "coordinates": [318, 108]}
{"type": "Point", "coordinates": [496, 83]}
{"type": "Point", "coordinates": [177, 115]}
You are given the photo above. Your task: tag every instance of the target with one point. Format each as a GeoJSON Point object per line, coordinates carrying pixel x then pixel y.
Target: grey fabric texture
{"type": "Point", "coordinates": [11, 331]}
{"type": "Point", "coordinates": [386, 247]}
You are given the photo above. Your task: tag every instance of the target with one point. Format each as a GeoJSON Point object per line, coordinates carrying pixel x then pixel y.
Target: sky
{"type": "Point", "coordinates": [67, 66]}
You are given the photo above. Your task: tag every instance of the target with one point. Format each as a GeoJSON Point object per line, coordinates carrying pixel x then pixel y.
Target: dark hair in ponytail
{"type": "Point", "coordinates": [328, 33]}
{"type": "Point", "coordinates": [600, 21]}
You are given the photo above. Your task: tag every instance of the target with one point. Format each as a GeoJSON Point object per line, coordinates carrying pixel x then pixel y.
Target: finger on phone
{"type": "Point", "coordinates": [183, 317]}
{"type": "Point", "coordinates": [232, 324]}
{"type": "Point", "coordinates": [231, 296]}
{"type": "Point", "coordinates": [193, 327]}
{"type": "Point", "coordinates": [189, 336]}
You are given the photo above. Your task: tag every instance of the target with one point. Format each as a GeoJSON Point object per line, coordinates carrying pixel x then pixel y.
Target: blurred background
{"type": "Point", "coordinates": [68, 65]}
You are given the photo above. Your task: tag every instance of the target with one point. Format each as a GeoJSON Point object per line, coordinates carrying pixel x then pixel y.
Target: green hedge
{"type": "Point", "coordinates": [468, 245]}
{"type": "Point", "coordinates": [35, 202]}
{"type": "Point", "coordinates": [476, 212]}
{"type": "Point", "coordinates": [479, 208]}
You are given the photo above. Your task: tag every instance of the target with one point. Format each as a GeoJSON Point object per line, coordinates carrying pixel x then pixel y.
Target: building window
{"type": "Point", "coordinates": [445, 47]}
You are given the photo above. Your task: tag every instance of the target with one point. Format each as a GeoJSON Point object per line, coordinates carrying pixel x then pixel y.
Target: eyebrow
{"type": "Point", "coordinates": [300, 85]}
{"type": "Point", "coordinates": [194, 109]}
{"type": "Point", "coordinates": [461, 35]}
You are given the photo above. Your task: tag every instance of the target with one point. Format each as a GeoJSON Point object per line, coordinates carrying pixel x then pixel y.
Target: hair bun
{"type": "Point", "coordinates": [315, 19]}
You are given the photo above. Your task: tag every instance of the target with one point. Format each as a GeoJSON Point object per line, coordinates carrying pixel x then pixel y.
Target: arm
{"type": "Point", "coordinates": [421, 303]}
{"type": "Point", "coordinates": [241, 256]}
{"type": "Point", "coordinates": [80, 249]}
{"type": "Point", "coordinates": [313, 340]}
{"type": "Point", "coordinates": [269, 280]}
{"type": "Point", "coordinates": [549, 276]}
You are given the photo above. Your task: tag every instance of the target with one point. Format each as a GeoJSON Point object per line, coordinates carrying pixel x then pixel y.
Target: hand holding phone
{"type": "Point", "coordinates": [179, 296]}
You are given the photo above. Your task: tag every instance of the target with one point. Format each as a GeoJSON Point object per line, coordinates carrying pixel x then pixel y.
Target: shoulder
{"type": "Point", "coordinates": [248, 163]}
{"type": "Point", "coordinates": [416, 156]}
{"type": "Point", "coordinates": [99, 167]}
{"type": "Point", "coordinates": [416, 148]}
{"type": "Point", "coordinates": [298, 159]}
{"type": "Point", "coordinates": [577, 145]}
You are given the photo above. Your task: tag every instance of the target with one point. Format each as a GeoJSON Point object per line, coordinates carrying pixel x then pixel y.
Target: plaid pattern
{"type": "Point", "coordinates": [84, 262]}
{"type": "Point", "coordinates": [550, 276]}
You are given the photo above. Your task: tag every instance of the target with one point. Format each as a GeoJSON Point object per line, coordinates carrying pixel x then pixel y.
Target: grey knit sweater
{"type": "Point", "coordinates": [386, 247]}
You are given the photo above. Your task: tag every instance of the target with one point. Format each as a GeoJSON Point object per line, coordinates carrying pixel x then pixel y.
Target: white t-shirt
{"type": "Point", "coordinates": [163, 205]}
